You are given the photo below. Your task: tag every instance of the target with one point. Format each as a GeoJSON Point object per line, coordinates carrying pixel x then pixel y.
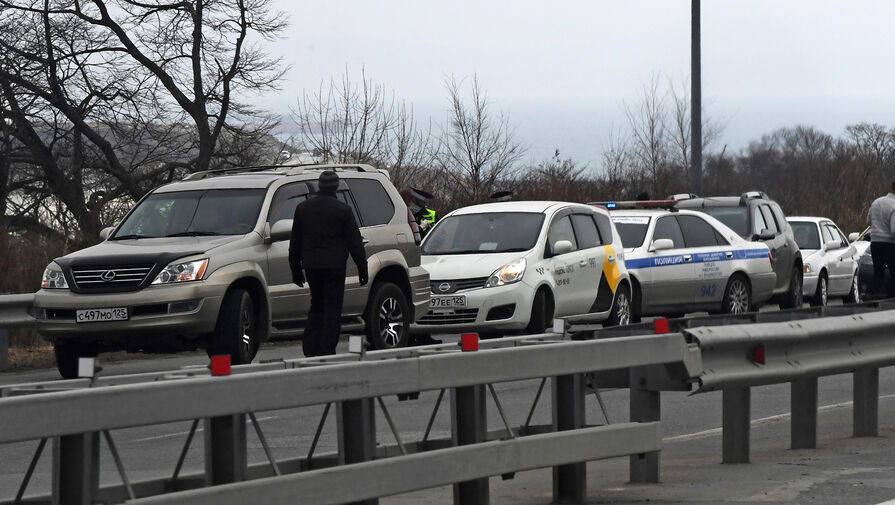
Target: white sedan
{"type": "Point", "coordinates": [831, 268]}
{"type": "Point", "coordinates": [514, 266]}
{"type": "Point", "coordinates": [686, 261]}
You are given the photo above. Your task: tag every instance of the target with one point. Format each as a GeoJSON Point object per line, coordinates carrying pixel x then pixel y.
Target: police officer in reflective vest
{"type": "Point", "coordinates": [424, 216]}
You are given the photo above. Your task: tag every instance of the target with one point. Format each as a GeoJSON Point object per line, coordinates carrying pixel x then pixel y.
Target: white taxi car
{"type": "Point", "coordinates": [685, 261]}
{"type": "Point", "coordinates": [831, 262]}
{"type": "Point", "coordinates": [514, 266]}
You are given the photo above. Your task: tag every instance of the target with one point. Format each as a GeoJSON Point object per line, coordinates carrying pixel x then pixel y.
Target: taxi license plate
{"type": "Point", "coordinates": [447, 302]}
{"type": "Point", "coordinates": [101, 315]}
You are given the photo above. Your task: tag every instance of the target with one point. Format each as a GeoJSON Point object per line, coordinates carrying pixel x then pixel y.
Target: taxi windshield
{"type": "Point", "coordinates": [492, 232]}
{"type": "Point", "coordinates": [193, 213]}
{"type": "Point", "coordinates": [632, 230]}
{"type": "Point", "coordinates": [736, 218]}
{"type": "Point", "coordinates": [806, 234]}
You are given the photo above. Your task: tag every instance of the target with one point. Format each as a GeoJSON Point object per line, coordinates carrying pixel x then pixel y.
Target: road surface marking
{"type": "Point", "coordinates": [765, 420]}
{"type": "Point", "coordinates": [180, 433]}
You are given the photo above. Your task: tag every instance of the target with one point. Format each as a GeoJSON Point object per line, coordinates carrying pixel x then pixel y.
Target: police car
{"type": "Point", "coordinates": [685, 261]}
{"type": "Point", "coordinates": [514, 266]}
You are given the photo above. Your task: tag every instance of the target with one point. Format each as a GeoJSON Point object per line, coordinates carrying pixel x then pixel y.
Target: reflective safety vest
{"type": "Point", "coordinates": [427, 218]}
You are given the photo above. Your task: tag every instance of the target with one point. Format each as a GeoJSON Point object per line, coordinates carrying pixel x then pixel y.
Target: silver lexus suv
{"type": "Point", "coordinates": [204, 263]}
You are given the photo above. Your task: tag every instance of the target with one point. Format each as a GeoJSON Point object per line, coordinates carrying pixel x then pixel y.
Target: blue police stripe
{"type": "Point", "coordinates": [678, 259]}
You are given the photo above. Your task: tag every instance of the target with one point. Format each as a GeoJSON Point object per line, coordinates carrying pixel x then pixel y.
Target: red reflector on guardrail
{"type": "Point", "coordinates": [469, 342]}
{"type": "Point", "coordinates": [661, 325]}
{"type": "Point", "coordinates": [220, 365]}
{"type": "Point", "coordinates": [757, 354]}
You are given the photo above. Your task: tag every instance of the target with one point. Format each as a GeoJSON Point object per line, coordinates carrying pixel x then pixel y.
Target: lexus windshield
{"type": "Point", "coordinates": [494, 232]}
{"type": "Point", "coordinates": [193, 214]}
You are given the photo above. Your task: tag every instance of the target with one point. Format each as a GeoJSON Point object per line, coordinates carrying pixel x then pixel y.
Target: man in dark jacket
{"type": "Point", "coordinates": [324, 232]}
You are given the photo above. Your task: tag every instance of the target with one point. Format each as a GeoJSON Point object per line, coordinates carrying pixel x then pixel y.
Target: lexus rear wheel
{"type": "Point", "coordinates": [388, 317]}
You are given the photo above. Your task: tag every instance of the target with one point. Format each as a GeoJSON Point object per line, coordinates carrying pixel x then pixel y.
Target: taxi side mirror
{"type": "Point", "coordinates": [281, 230]}
{"type": "Point", "coordinates": [662, 244]}
{"type": "Point", "coordinates": [561, 247]}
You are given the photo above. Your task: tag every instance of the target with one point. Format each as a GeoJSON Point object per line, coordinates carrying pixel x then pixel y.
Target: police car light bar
{"type": "Point", "coordinates": [636, 204]}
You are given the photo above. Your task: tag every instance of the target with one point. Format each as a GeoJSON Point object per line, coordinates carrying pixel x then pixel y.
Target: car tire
{"type": "Point", "coordinates": [67, 355]}
{"type": "Point", "coordinates": [854, 296]}
{"type": "Point", "coordinates": [236, 332]}
{"type": "Point", "coordinates": [737, 296]}
{"type": "Point", "coordinates": [541, 314]}
{"type": "Point", "coordinates": [388, 317]}
{"type": "Point", "coordinates": [622, 313]}
{"type": "Point", "coordinates": [821, 294]}
{"type": "Point", "coordinates": [793, 297]}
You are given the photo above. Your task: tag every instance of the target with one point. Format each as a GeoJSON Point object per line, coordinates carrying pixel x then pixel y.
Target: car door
{"type": "Point", "coordinates": [839, 259]}
{"type": "Point", "coordinates": [763, 219]}
{"type": "Point", "coordinates": [672, 273]}
{"type": "Point", "coordinates": [570, 288]}
{"type": "Point", "coordinates": [598, 289]}
{"type": "Point", "coordinates": [712, 258]}
{"type": "Point", "coordinates": [287, 300]}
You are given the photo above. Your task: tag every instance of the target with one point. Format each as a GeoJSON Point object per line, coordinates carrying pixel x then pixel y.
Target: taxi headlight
{"type": "Point", "coordinates": [507, 274]}
{"type": "Point", "coordinates": [184, 271]}
{"type": "Point", "coordinates": [53, 278]}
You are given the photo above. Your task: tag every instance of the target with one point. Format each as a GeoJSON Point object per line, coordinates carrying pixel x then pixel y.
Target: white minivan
{"type": "Point", "coordinates": [514, 266]}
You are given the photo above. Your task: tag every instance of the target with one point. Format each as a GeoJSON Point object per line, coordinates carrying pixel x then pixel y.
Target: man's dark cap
{"type": "Point", "coordinates": [328, 181]}
{"type": "Point", "coordinates": [421, 195]}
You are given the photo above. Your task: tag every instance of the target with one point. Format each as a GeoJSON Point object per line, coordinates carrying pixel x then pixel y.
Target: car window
{"type": "Point", "coordinates": [736, 218]}
{"type": "Point", "coordinates": [373, 202]}
{"type": "Point", "coordinates": [834, 235]}
{"type": "Point", "coordinates": [667, 227]}
{"type": "Point", "coordinates": [778, 215]}
{"type": "Point", "coordinates": [586, 231]}
{"type": "Point", "coordinates": [697, 233]}
{"type": "Point", "coordinates": [828, 234]}
{"type": "Point", "coordinates": [346, 199]}
{"type": "Point", "coordinates": [561, 229]}
{"type": "Point", "coordinates": [842, 237]}
{"type": "Point", "coordinates": [284, 201]}
{"type": "Point", "coordinates": [491, 232]}
{"type": "Point", "coordinates": [605, 228]}
{"type": "Point", "coordinates": [631, 229]}
{"type": "Point", "coordinates": [758, 224]}
{"type": "Point", "coordinates": [806, 234]}
{"type": "Point", "coordinates": [769, 219]}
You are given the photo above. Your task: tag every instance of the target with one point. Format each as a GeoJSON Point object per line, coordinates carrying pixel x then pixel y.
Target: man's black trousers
{"type": "Point", "coordinates": [325, 318]}
{"type": "Point", "coordinates": [883, 254]}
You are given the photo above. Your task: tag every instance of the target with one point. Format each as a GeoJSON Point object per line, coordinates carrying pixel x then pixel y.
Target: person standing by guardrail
{"type": "Point", "coordinates": [881, 219]}
{"type": "Point", "coordinates": [324, 233]}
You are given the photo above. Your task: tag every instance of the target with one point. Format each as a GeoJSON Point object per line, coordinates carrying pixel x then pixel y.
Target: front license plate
{"type": "Point", "coordinates": [100, 315]}
{"type": "Point", "coordinates": [447, 302]}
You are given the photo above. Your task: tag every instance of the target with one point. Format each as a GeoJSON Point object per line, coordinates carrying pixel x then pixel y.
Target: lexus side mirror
{"type": "Point", "coordinates": [281, 230]}
{"type": "Point", "coordinates": [765, 234]}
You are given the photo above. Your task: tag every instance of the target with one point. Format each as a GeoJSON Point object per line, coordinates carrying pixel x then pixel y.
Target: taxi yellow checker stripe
{"type": "Point", "coordinates": [610, 269]}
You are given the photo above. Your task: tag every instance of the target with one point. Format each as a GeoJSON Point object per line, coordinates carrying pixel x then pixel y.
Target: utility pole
{"type": "Point", "coordinates": [695, 102]}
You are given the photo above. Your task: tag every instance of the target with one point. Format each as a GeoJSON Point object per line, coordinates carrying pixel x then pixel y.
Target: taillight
{"type": "Point", "coordinates": [414, 227]}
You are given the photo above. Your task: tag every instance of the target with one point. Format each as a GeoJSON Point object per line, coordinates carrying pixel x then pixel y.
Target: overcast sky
{"type": "Point", "coordinates": [561, 69]}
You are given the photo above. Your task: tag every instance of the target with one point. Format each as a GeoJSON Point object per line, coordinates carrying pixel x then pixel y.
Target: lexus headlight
{"type": "Point", "coordinates": [182, 272]}
{"type": "Point", "coordinates": [53, 278]}
{"type": "Point", "coordinates": [507, 274]}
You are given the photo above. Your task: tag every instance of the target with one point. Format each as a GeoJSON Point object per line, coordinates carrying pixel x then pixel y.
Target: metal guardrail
{"type": "Point", "coordinates": [13, 314]}
{"type": "Point", "coordinates": [353, 387]}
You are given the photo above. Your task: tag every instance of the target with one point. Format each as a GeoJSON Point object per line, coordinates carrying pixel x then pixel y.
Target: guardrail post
{"type": "Point", "coordinates": [803, 404]}
{"type": "Point", "coordinates": [469, 425]}
{"type": "Point", "coordinates": [4, 349]}
{"type": "Point", "coordinates": [646, 406]}
{"type": "Point", "coordinates": [735, 425]}
{"type": "Point", "coordinates": [75, 469]}
{"type": "Point", "coordinates": [357, 434]}
{"type": "Point", "coordinates": [225, 449]}
{"type": "Point", "coordinates": [569, 481]}
{"type": "Point", "coordinates": [866, 402]}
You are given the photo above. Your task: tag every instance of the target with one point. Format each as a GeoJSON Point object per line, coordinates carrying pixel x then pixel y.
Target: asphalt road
{"type": "Point", "coordinates": [843, 470]}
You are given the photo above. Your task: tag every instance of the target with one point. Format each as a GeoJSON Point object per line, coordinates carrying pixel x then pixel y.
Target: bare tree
{"type": "Point", "coordinates": [477, 149]}
{"type": "Point", "coordinates": [648, 127]}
